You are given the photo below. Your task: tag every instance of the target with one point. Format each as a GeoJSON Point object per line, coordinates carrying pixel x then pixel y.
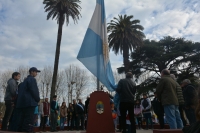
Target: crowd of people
{"type": "Point", "coordinates": [23, 107]}
{"type": "Point", "coordinates": [172, 101]}
{"type": "Point", "coordinates": [173, 104]}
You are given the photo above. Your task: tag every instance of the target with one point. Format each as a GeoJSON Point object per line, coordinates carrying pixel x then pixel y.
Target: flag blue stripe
{"type": "Point", "coordinates": [92, 43]}
{"type": "Point", "coordinates": [110, 76]}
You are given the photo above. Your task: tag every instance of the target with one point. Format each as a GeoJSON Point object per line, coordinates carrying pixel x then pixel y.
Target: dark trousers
{"type": "Point", "coordinates": [74, 122]}
{"type": "Point", "coordinates": [124, 107]}
{"type": "Point", "coordinates": [120, 123]}
{"type": "Point", "coordinates": [148, 118]}
{"type": "Point", "coordinates": [10, 121]}
{"type": "Point", "coordinates": [43, 122]}
{"type": "Point", "coordinates": [85, 124]}
{"type": "Point", "coordinates": [80, 118]}
{"type": "Point", "coordinates": [161, 120]}
{"type": "Point", "coordinates": [181, 110]}
{"type": "Point", "coordinates": [86, 121]}
{"type": "Point", "coordinates": [26, 121]}
{"type": "Point", "coordinates": [54, 117]}
{"type": "Point", "coordinates": [139, 119]}
{"type": "Point", "coordinates": [15, 121]}
{"type": "Point", "coordinates": [69, 123]}
{"type": "Point", "coordinates": [7, 115]}
{"type": "Point", "coordinates": [190, 113]}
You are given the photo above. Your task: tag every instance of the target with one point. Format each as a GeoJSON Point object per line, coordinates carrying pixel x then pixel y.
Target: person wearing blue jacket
{"type": "Point", "coordinates": [54, 113]}
{"type": "Point", "coordinates": [28, 98]}
{"type": "Point", "coordinates": [36, 112]}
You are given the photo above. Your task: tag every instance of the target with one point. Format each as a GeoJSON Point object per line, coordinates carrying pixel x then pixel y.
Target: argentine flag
{"type": "Point", "coordinates": [94, 52]}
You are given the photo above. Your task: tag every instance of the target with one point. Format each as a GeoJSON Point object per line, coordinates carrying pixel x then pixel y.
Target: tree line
{"type": "Point", "coordinates": [73, 82]}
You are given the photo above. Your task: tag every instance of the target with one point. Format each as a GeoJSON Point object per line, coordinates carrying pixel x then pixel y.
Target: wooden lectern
{"type": "Point", "coordinates": [99, 115]}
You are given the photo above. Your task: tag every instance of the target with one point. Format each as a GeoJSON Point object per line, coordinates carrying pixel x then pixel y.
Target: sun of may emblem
{"type": "Point", "coordinates": [105, 52]}
{"type": "Point", "coordinates": [100, 107]}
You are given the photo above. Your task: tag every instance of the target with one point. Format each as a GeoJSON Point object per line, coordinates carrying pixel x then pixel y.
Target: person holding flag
{"type": "Point", "coordinates": [127, 89]}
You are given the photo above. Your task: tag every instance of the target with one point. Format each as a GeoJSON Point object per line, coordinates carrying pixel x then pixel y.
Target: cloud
{"type": "Point", "coordinates": [27, 38]}
{"type": "Point", "coordinates": [163, 18]}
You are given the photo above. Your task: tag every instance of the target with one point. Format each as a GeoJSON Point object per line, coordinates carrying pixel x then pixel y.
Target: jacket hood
{"type": "Point", "coordinates": [189, 84]}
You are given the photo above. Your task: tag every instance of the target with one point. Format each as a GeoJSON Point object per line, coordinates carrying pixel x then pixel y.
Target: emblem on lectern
{"type": "Point", "coordinates": [100, 107]}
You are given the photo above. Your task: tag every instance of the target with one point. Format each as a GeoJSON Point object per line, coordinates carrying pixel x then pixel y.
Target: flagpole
{"type": "Point", "coordinates": [98, 63]}
{"type": "Point", "coordinates": [98, 85]}
{"type": "Point", "coordinates": [98, 69]}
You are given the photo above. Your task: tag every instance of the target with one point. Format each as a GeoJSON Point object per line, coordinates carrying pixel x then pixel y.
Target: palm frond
{"type": "Point", "coordinates": [64, 9]}
{"type": "Point", "coordinates": [125, 31]}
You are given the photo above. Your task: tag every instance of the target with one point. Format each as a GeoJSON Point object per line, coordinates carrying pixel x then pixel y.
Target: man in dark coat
{"type": "Point", "coordinates": [87, 105]}
{"type": "Point", "coordinates": [9, 98]}
{"type": "Point", "coordinates": [27, 100]}
{"type": "Point", "coordinates": [190, 97]}
{"type": "Point", "coordinates": [80, 113]}
{"type": "Point", "coordinates": [126, 89]}
{"type": "Point", "coordinates": [159, 110]}
{"type": "Point", "coordinates": [86, 110]}
{"type": "Point", "coordinates": [74, 121]}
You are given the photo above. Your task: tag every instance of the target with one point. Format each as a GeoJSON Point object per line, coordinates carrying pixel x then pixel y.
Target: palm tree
{"type": "Point", "coordinates": [61, 10]}
{"type": "Point", "coordinates": [125, 35]}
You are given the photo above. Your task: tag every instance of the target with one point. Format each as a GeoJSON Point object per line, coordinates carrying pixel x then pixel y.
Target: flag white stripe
{"type": "Point", "coordinates": [96, 22]}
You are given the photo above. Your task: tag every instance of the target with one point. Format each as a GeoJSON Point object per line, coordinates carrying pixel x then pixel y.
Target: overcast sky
{"type": "Point", "coordinates": [28, 39]}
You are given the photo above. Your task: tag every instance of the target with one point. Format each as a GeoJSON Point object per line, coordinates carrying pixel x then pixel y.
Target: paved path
{"type": "Point", "coordinates": [138, 131]}
{"type": "Point", "coordinates": [144, 131]}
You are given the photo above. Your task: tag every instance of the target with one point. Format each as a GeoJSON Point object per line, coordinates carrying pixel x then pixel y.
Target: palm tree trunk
{"type": "Point", "coordinates": [126, 58]}
{"type": "Point", "coordinates": [56, 62]}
